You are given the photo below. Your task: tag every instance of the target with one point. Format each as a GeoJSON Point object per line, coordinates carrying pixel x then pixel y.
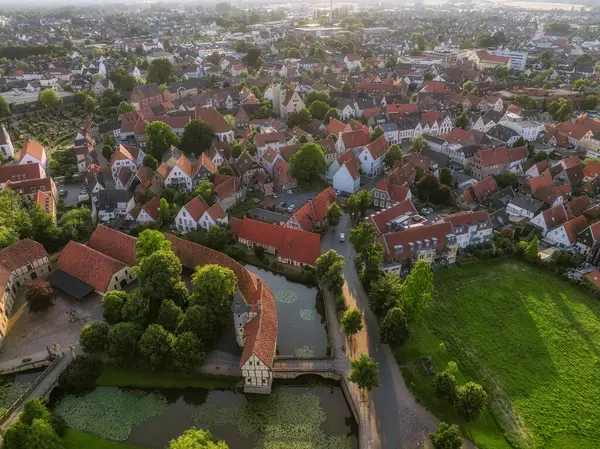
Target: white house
{"type": "Point", "coordinates": [352, 62]}
{"type": "Point", "coordinates": [113, 204]}
{"type": "Point", "coordinates": [33, 152]}
{"type": "Point", "coordinates": [371, 157]}
{"type": "Point", "coordinates": [565, 235]}
{"type": "Point", "coordinates": [344, 173]}
{"type": "Point", "coordinates": [471, 228]}
{"type": "Point", "coordinates": [6, 145]}
{"type": "Point", "coordinates": [196, 214]}
{"type": "Point", "coordinates": [150, 212]}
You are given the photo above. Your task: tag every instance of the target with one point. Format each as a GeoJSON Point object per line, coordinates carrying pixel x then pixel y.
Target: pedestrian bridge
{"type": "Point", "coordinates": [289, 368]}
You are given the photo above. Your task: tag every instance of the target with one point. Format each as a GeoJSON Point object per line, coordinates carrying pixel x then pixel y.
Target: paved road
{"type": "Point", "coordinates": [398, 420]}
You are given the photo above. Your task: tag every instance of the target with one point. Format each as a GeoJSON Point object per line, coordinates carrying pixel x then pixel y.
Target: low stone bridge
{"type": "Point", "coordinates": [289, 368]}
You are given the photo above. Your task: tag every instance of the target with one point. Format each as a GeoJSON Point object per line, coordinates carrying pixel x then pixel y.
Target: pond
{"type": "Point", "coordinates": [307, 413]}
{"type": "Point", "coordinates": [12, 386]}
{"type": "Point", "coordinates": [301, 316]}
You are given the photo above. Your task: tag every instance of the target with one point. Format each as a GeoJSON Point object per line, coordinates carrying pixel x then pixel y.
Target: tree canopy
{"type": "Point", "coordinates": [197, 138]}
{"type": "Point", "coordinates": [160, 138]}
{"type": "Point", "coordinates": [308, 163]}
{"type": "Point", "coordinates": [196, 439]}
{"type": "Point", "coordinates": [49, 98]}
{"type": "Point", "coordinates": [160, 71]}
{"type": "Point", "coordinates": [364, 373]}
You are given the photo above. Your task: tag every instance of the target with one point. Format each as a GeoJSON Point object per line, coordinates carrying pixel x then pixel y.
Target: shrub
{"type": "Point", "coordinates": [340, 303]}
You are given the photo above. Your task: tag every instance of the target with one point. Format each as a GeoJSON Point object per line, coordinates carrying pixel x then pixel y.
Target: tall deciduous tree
{"type": "Point", "coordinates": [94, 337]}
{"type": "Point", "coordinates": [446, 176]}
{"type": "Point", "coordinates": [39, 296]}
{"type": "Point", "coordinates": [160, 137]}
{"type": "Point", "coordinates": [187, 352]}
{"type": "Point", "coordinates": [393, 155]}
{"type": "Point", "coordinates": [330, 267]}
{"type": "Point", "coordinates": [351, 323]}
{"type": "Point", "coordinates": [170, 316]}
{"type": "Point", "coordinates": [471, 400]}
{"type": "Point", "coordinates": [446, 436]}
{"type": "Point", "coordinates": [125, 107]}
{"type": "Point", "coordinates": [160, 70]}
{"type": "Point", "coordinates": [331, 113]}
{"type": "Point", "coordinates": [197, 137]}
{"type": "Point", "coordinates": [394, 327]}
{"type": "Point", "coordinates": [308, 163]}
{"type": "Point", "coordinates": [385, 294]}
{"type": "Point", "coordinates": [4, 108]}
{"type": "Point", "coordinates": [333, 214]}
{"type": "Point", "coordinates": [150, 241]}
{"type": "Point", "coordinates": [77, 224]}
{"type": "Point", "coordinates": [532, 251]}
{"type": "Point", "coordinates": [364, 373]}
{"type": "Point", "coordinates": [418, 144]}
{"type": "Point", "coordinates": [49, 98]}
{"type": "Point", "coordinates": [214, 286]}
{"type": "Point", "coordinates": [377, 133]}
{"type": "Point", "coordinates": [112, 306]}
{"type": "Point", "coordinates": [358, 202]}
{"type": "Point", "coordinates": [302, 117]}
{"type": "Point", "coordinates": [462, 121]}
{"type": "Point", "coordinates": [416, 290]}
{"type": "Point", "coordinates": [123, 340]}
{"type": "Point", "coordinates": [363, 235]}
{"type": "Point", "coordinates": [156, 346]}
{"type": "Point", "coordinates": [202, 322]}
{"type": "Point", "coordinates": [318, 109]}
{"type": "Point", "coordinates": [428, 187]}
{"type": "Point", "coordinates": [445, 385]}
{"type": "Point", "coordinates": [196, 439]}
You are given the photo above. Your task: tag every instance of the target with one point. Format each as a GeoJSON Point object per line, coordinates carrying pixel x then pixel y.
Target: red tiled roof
{"type": "Point", "coordinates": [485, 56]}
{"type": "Point", "coordinates": [196, 208]}
{"type": "Point", "coordinates": [594, 278]}
{"type": "Point", "coordinates": [403, 175]}
{"type": "Point", "coordinates": [225, 186]}
{"type": "Point", "coordinates": [574, 226]}
{"type": "Point", "coordinates": [115, 244]}
{"type": "Point", "coordinates": [457, 135]}
{"type": "Point", "coordinates": [466, 218]}
{"type": "Point", "coordinates": [354, 139]}
{"type": "Point", "coordinates": [537, 182]}
{"type": "Point", "coordinates": [214, 119]}
{"type": "Point", "coordinates": [382, 218]}
{"type": "Point", "coordinates": [578, 205]}
{"type": "Point", "coordinates": [378, 147]}
{"type": "Point", "coordinates": [23, 172]}
{"type": "Point", "coordinates": [20, 254]}
{"type": "Point", "coordinates": [266, 138]}
{"type": "Point", "coordinates": [216, 212]}
{"type": "Point", "coordinates": [235, 224]}
{"type": "Point", "coordinates": [555, 217]}
{"type": "Point", "coordinates": [410, 108]}
{"type": "Point", "coordinates": [393, 240]}
{"type": "Point", "coordinates": [185, 165]}
{"type": "Point", "coordinates": [261, 332]}
{"type": "Point", "coordinates": [152, 208]}
{"type": "Point", "coordinates": [33, 148]}
{"type": "Point", "coordinates": [314, 210]}
{"type": "Point", "coordinates": [485, 188]}
{"type": "Point", "coordinates": [591, 169]}
{"type": "Point", "coordinates": [335, 126]}
{"type": "Point", "coordinates": [88, 265]}
{"type": "Point", "coordinates": [418, 160]}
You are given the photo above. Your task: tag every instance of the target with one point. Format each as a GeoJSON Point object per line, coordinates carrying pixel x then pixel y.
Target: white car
{"type": "Point", "coordinates": [342, 237]}
{"type": "Point", "coordinates": [292, 208]}
{"type": "Point", "coordinates": [290, 192]}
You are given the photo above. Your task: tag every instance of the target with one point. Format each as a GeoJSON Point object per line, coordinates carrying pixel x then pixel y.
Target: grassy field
{"type": "Point", "coordinates": [75, 439]}
{"type": "Point", "coordinates": [530, 339]}
{"type": "Point", "coordinates": [119, 377]}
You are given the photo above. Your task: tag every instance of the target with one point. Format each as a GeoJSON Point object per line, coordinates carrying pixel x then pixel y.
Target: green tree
{"type": "Point", "coordinates": [4, 108]}
{"type": "Point", "coordinates": [419, 41]}
{"type": "Point", "coordinates": [329, 267]}
{"type": "Point", "coordinates": [370, 262]}
{"type": "Point", "coordinates": [90, 104]}
{"type": "Point", "coordinates": [77, 224]}
{"type": "Point", "coordinates": [308, 164]}
{"type": "Point", "coordinates": [363, 235]}
{"type": "Point", "coordinates": [35, 409]}
{"type": "Point", "coordinates": [540, 156]}
{"type": "Point", "coordinates": [123, 340]}
{"type": "Point", "coordinates": [318, 109]}
{"type": "Point", "coordinates": [445, 385]}
{"type": "Point", "coordinates": [394, 154]}
{"type": "Point", "coordinates": [470, 400]}
{"type": "Point", "coordinates": [591, 102]}
{"type": "Point", "coordinates": [165, 212]}
{"type": "Point", "coordinates": [443, 195]}
{"type": "Point", "coordinates": [160, 71]}
{"type": "Point", "coordinates": [39, 296]}
{"type": "Point", "coordinates": [214, 286]}
{"type": "Point", "coordinates": [170, 316]}
{"type": "Point", "coordinates": [446, 176]}
{"type": "Point", "coordinates": [94, 337]}
{"type": "Point", "coordinates": [196, 439]}
{"type": "Point", "coordinates": [317, 95]}
{"type": "Point", "coordinates": [197, 138]}
{"type": "Point", "coordinates": [160, 137]}
{"type": "Point", "coordinates": [428, 187]}
{"type": "Point", "coordinates": [187, 352]}
{"type": "Point", "coordinates": [462, 121]}
{"type": "Point", "coordinates": [446, 436]}
{"type": "Point", "coordinates": [300, 118]}
{"type": "Point", "coordinates": [394, 327]}
{"type": "Point", "coordinates": [376, 134]}
{"type": "Point", "coordinates": [49, 98]}
{"type": "Point", "coordinates": [159, 277]}
{"type": "Point", "coordinates": [351, 323]}
{"type": "Point", "coordinates": [125, 107]}
{"type": "Point", "coordinates": [561, 109]}
{"type": "Point", "coordinates": [333, 214]}
{"type": "Point", "coordinates": [358, 202]}
{"type": "Point", "coordinates": [416, 291]}
{"type": "Point", "coordinates": [156, 346]}
{"type": "Point", "coordinates": [201, 321]}
{"type": "Point", "coordinates": [364, 373]}
{"type": "Point", "coordinates": [385, 294]}
{"type": "Point", "coordinates": [39, 435]}
{"type": "Point", "coordinates": [204, 189]}
{"type": "Point", "coordinates": [331, 113]}
{"type": "Point", "coordinates": [112, 306]}
{"type": "Point", "coordinates": [468, 87]}
{"type": "Point", "coordinates": [532, 251]}
{"type": "Point", "coordinates": [150, 241]}
{"type": "Point", "coordinates": [418, 144]}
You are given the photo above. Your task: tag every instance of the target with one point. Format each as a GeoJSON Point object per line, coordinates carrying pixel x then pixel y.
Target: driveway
{"type": "Point", "coordinates": [104, 168]}
{"type": "Point", "coordinates": [71, 199]}
{"type": "Point", "coordinates": [399, 421]}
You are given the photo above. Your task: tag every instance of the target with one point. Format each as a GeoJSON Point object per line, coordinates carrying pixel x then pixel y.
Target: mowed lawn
{"type": "Point", "coordinates": [530, 339]}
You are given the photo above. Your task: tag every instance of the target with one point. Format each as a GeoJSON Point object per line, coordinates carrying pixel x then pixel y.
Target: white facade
{"type": "Point", "coordinates": [518, 59]}
{"type": "Point", "coordinates": [342, 180]}
{"type": "Point", "coordinates": [178, 179]}
{"type": "Point", "coordinates": [257, 376]}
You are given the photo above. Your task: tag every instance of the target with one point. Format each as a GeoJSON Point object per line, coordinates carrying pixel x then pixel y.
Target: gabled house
{"type": "Point", "coordinates": [113, 204]}
{"type": "Point", "coordinates": [197, 214]}
{"type": "Point", "coordinates": [471, 228]}
{"type": "Point", "coordinates": [33, 152]}
{"type": "Point", "coordinates": [565, 235]}
{"type": "Point", "coordinates": [551, 219]}
{"type": "Point", "coordinates": [371, 157]}
{"type": "Point", "coordinates": [344, 173]}
{"type": "Point", "coordinates": [588, 243]}
{"type": "Point", "coordinates": [311, 215]}
{"type": "Point", "coordinates": [398, 217]}
{"type": "Point", "coordinates": [352, 140]}
{"type": "Point", "coordinates": [150, 212]}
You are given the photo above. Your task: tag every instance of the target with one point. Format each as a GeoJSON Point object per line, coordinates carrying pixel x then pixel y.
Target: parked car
{"type": "Point", "coordinates": [62, 192]}
{"type": "Point", "coordinates": [290, 192]}
{"type": "Point", "coordinates": [282, 204]}
{"type": "Point", "coordinates": [342, 237]}
{"type": "Point", "coordinates": [292, 208]}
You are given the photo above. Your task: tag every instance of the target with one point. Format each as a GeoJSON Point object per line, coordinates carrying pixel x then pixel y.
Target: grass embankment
{"type": "Point", "coordinates": [121, 377]}
{"type": "Point", "coordinates": [530, 339]}
{"type": "Point", "coordinates": [75, 439]}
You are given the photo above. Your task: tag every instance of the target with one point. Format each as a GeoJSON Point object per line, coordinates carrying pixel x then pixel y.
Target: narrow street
{"type": "Point", "coordinates": [398, 421]}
